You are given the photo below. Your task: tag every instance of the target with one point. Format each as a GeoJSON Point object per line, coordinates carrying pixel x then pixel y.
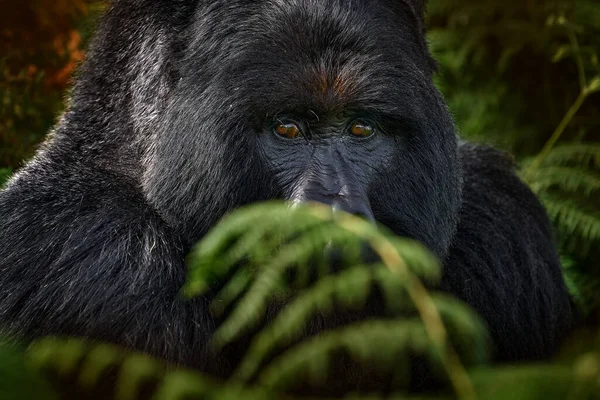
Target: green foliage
{"type": "Point", "coordinates": [350, 289]}
{"type": "Point", "coordinates": [524, 76]}
{"type": "Point", "coordinates": [26, 112]}
{"type": "Point", "coordinates": [540, 382]}
{"type": "Point", "coordinates": [18, 380]}
{"type": "Point", "coordinates": [83, 369]}
{"type": "Point", "coordinates": [4, 175]}
{"type": "Point", "coordinates": [277, 247]}
{"type": "Point", "coordinates": [507, 68]}
{"type": "Point", "coordinates": [99, 371]}
{"type": "Point", "coordinates": [568, 182]}
{"type": "Point", "coordinates": [417, 322]}
{"type": "Point", "coordinates": [40, 46]}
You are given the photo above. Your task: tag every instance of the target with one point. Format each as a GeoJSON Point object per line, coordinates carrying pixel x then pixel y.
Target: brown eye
{"type": "Point", "coordinates": [289, 131]}
{"type": "Point", "coordinates": [360, 129]}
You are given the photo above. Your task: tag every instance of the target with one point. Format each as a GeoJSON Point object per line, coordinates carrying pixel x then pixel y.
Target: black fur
{"type": "Point", "coordinates": [168, 130]}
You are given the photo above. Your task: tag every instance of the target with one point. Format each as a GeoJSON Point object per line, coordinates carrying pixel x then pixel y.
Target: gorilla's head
{"type": "Point", "coordinates": [302, 100]}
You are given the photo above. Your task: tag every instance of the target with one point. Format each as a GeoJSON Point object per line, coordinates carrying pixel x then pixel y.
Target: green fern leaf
{"type": "Point", "coordinates": [565, 179]}
{"type": "Point", "coordinates": [584, 286]}
{"type": "Point", "coordinates": [348, 290]}
{"type": "Point", "coordinates": [308, 360]}
{"type": "Point", "coordinates": [584, 155]}
{"type": "Point", "coordinates": [137, 370]}
{"type": "Point", "coordinates": [5, 174]}
{"type": "Point", "coordinates": [270, 280]}
{"type": "Point", "coordinates": [18, 380]}
{"type": "Point", "coordinates": [385, 344]}
{"type": "Point", "coordinates": [100, 359]}
{"type": "Point", "coordinates": [290, 323]}
{"type": "Point", "coordinates": [71, 351]}
{"type": "Point", "coordinates": [247, 227]}
{"type": "Point", "coordinates": [533, 382]}
{"type": "Point", "coordinates": [570, 219]}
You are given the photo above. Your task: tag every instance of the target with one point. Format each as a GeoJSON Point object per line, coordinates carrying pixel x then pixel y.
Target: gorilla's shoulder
{"type": "Point", "coordinates": [490, 177]}
{"type": "Point", "coordinates": [478, 156]}
{"type": "Point", "coordinates": [503, 258]}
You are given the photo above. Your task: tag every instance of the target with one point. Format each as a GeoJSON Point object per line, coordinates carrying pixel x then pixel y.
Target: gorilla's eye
{"type": "Point", "coordinates": [287, 130]}
{"type": "Point", "coordinates": [361, 129]}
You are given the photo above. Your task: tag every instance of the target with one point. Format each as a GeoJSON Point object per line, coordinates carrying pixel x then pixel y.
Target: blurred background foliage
{"type": "Point", "coordinates": [41, 44]}
{"type": "Point", "coordinates": [523, 76]}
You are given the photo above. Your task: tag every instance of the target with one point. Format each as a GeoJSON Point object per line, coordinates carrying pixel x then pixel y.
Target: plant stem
{"type": "Point", "coordinates": [578, 61]}
{"type": "Point", "coordinates": [557, 133]}
{"type": "Point", "coordinates": [584, 90]}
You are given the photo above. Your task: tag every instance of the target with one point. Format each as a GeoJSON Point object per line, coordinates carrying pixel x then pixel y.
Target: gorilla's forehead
{"type": "Point", "coordinates": [327, 55]}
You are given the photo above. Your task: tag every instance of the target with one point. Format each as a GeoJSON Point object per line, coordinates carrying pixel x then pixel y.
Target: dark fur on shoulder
{"type": "Point", "coordinates": [165, 134]}
{"type": "Point", "coordinates": [503, 259]}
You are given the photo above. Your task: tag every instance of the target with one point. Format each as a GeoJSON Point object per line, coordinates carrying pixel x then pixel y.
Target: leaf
{"type": "Point", "coordinates": [136, 371]}
{"type": "Point", "coordinates": [18, 380]}
{"type": "Point", "coordinates": [372, 342]}
{"type": "Point", "coordinates": [566, 179]}
{"type": "Point", "coordinates": [594, 85]}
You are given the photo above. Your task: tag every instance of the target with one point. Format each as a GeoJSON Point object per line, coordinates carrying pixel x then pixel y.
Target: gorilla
{"type": "Point", "coordinates": [186, 109]}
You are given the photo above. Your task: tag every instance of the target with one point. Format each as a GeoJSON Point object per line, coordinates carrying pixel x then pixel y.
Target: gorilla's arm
{"type": "Point", "coordinates": [503, 261]}
{"type": "Point", "coordinates": [82, 254]}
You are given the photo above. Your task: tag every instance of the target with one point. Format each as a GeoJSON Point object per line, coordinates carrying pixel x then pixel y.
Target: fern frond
{"type": "Point", "coordinates": [231, 292]}
{"type": "Point", "coordinates": [584, 155]}
{"type": "Point", "coordinates": [351, 287]}
{"type": "Point", "coordinates": [72, 352]}
{"type": "Point", "coordinates": [18, 380]}
{"type": "Point", "coordinates": [570, 219]}
{"type": "Point", "coordinates": [251, 232]}
{"type": "Point", "coordinates": [384, 344]}
{"type": "Point", "coordinates": [467, 332]}
{"type": "Point", "coordinates": [89, 363]}
{"type": "Point", "coordinates": [137, 370]}
{"type": "Point", "coordinates": [268, 280]}
{"type": "Point", "coordinates": [121, 375]}
{"type": "Point", "coordinates": [539, 381]}
{"type": "Point", "coordinates": [348, 290]}
{"type": "Point", "coordinates": [297, 240]}
{"type": "Point", "coordinates": [419, 260]}
{"type": "Point", "coordinates": [565, 179]}
{"type": "Point", "coordinates": [100, 358]}
{"type": "Point", "coordinates": [584, 286]}
{"type": "Point", "coordinates": [181, 384]}
{"type": "Point", "coordinates": [389, 341]}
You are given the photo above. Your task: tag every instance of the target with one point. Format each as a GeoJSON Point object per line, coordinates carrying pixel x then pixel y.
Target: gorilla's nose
{"type": "Point", "coordinates": [355, 207]}
{"type": "Point", "coordinates": [340, 197]}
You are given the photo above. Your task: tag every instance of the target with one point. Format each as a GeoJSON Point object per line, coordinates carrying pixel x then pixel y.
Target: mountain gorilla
{"type": "Point", "coordinates": [187, 109]}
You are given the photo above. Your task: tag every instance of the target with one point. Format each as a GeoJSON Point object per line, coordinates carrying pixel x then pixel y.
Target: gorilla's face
{"type": "Point", "coordinates": [308, 101]}
{"type": "Point", "coordinates": [332, 160]}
